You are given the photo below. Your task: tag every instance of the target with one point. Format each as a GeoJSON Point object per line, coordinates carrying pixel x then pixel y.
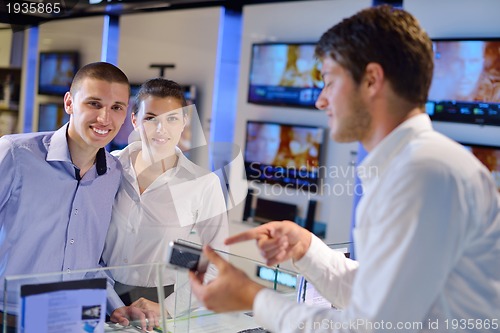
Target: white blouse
{"type": "Point", "coordinates": [185, 202]}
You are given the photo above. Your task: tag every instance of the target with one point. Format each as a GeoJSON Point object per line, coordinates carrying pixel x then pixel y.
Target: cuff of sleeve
{"type": "Point", "coordinates": [262, 313]}
{"type": "Point", "coordinates": [114, 302]}
{"type": "Point", "coordinates": [304, 263]}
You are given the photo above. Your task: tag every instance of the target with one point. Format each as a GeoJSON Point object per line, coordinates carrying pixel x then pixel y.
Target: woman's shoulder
{"type": "Point", "coordinates": [196, 171]}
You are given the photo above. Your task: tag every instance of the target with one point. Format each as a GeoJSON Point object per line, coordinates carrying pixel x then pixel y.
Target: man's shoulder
{"type": "Point", "coordinates": [435, 147]}
{"type": "Point", "coordinates": [434, 152]}
{"type": "Point", "coordinates": [27, 137]}
{"type": "Point", "coordinates": [113, 162]}
{"type": "Point", "coordinates": [27, 140]}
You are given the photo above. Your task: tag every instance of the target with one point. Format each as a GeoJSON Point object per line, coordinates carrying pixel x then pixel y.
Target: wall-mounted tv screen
{"type": "Point", "coordinates": [466, 81]}
{"type": "Point", "coordinates": [489, 156]}
{"type": "Point", "coordinates": [51, 116]}
{"type": "Point", "coordinates": [284, 154]}
{"type": "Point", "coordinates": [284, 74]}
{"type": "Point", "coordinates": [56, 71]}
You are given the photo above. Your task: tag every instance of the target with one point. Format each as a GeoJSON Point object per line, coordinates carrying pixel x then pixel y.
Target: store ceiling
{"type": "Point", "coordinates": [14, 15]}
{"type": "Point", "coordinates": [22, 14]}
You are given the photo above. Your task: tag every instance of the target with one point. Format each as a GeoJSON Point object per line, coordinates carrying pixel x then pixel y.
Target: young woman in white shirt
{"type": "Point", "coordinates": [163, 196]}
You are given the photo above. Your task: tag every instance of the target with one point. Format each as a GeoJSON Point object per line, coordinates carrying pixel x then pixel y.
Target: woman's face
{"type": "Point", "coordinates": [160, 122]}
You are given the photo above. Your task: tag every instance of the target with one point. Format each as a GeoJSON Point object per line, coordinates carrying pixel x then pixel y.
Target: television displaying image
{"type": "Point", "coordinates": [284, 154]}
{"type": "Point", "coordinates": [51, 116]}
{"type": "Point", "coordinates": [56, 71]}
{"type": "Point", "coordinates": [284, 74]}
{"type": "Point", "coordinates": [466, 81]}
{"type": "Point", "coordinates": [489, 156]}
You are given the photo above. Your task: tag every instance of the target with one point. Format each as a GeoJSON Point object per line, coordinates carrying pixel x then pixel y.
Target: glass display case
{"type": "Point", "coordinates": [77, 301]}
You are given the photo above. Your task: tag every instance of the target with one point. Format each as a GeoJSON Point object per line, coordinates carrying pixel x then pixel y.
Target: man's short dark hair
{"type": "Point", "coordinates": [161, 88]}
{"type": "Point", "coordinates": [99, 71]}
{"type": "Point", "coordinates": [390, 37]}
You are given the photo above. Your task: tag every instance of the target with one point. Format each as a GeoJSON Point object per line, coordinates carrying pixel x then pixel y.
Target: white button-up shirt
{"type": "Point", "coordinates": [427, 241]}
{"type": "Point", "coordinates": [185, 202]}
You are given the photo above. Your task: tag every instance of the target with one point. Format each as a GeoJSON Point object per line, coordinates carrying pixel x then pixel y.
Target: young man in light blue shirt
{"type": "Point", "coordinates": [57, 188]}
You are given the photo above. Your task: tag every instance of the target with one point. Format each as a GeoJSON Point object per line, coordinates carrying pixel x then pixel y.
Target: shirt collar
{"type": "Point", "coordinates": [57, 147]}
{"type": "Point", "coordinates": [58, 150]}
{"type": "Point", "coordinates": [124, 156]}
{"type": "Point", "coordinates": [100, 162]}
{"type": "Point", "coordinates": [377, 160]}
{"type": "Point", "coordinates": [186, 163]}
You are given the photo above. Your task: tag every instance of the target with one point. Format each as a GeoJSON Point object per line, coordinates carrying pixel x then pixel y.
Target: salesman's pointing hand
{"type": "Point", "coordinates": [277, 241]}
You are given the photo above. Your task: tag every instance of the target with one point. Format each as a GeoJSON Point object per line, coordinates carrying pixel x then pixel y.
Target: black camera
{"type": "Point", "coordinates": [187, 256]}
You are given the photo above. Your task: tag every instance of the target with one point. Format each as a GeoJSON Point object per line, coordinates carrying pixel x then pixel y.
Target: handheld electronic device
{"type": "Point", "coordinates": [186, 255]}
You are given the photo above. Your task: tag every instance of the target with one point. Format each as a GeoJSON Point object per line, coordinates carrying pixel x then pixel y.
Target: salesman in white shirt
{"type": "Point", "coordinates": [427, 235]}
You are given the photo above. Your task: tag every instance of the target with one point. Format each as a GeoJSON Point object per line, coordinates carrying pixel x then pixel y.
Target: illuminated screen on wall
{"type": "Point", "coordinates": [284, 74]}
{"type": "Point", "coordinates": [466, 82]}
{"type": "Point", "coordinates": [489, 156]}
{"type": "Point", "coordinates": [56, 72]}
{"type": "Point", "coordinates": [289, 155]}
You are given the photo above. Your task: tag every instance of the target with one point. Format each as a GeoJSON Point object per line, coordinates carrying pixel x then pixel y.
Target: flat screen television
{"type": "Point", "coordinates": [51, 116]}
{"type": "Point", "coordinates": [466, 81]}
{"type": "Point", "coordinates": [489, 156]}
{"type": "Point", "coordinates": [289, 155]}
{"type": "Point", "coordinates": [56, 71]}
{"type": "Point", "coordinates": [285, 74]}
{"type": "Point", "coordinates": [270, 210]}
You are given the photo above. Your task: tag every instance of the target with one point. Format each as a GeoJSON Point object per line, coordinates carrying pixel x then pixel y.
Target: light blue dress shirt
{"type": "Point", "coordinates": [49, 220]}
